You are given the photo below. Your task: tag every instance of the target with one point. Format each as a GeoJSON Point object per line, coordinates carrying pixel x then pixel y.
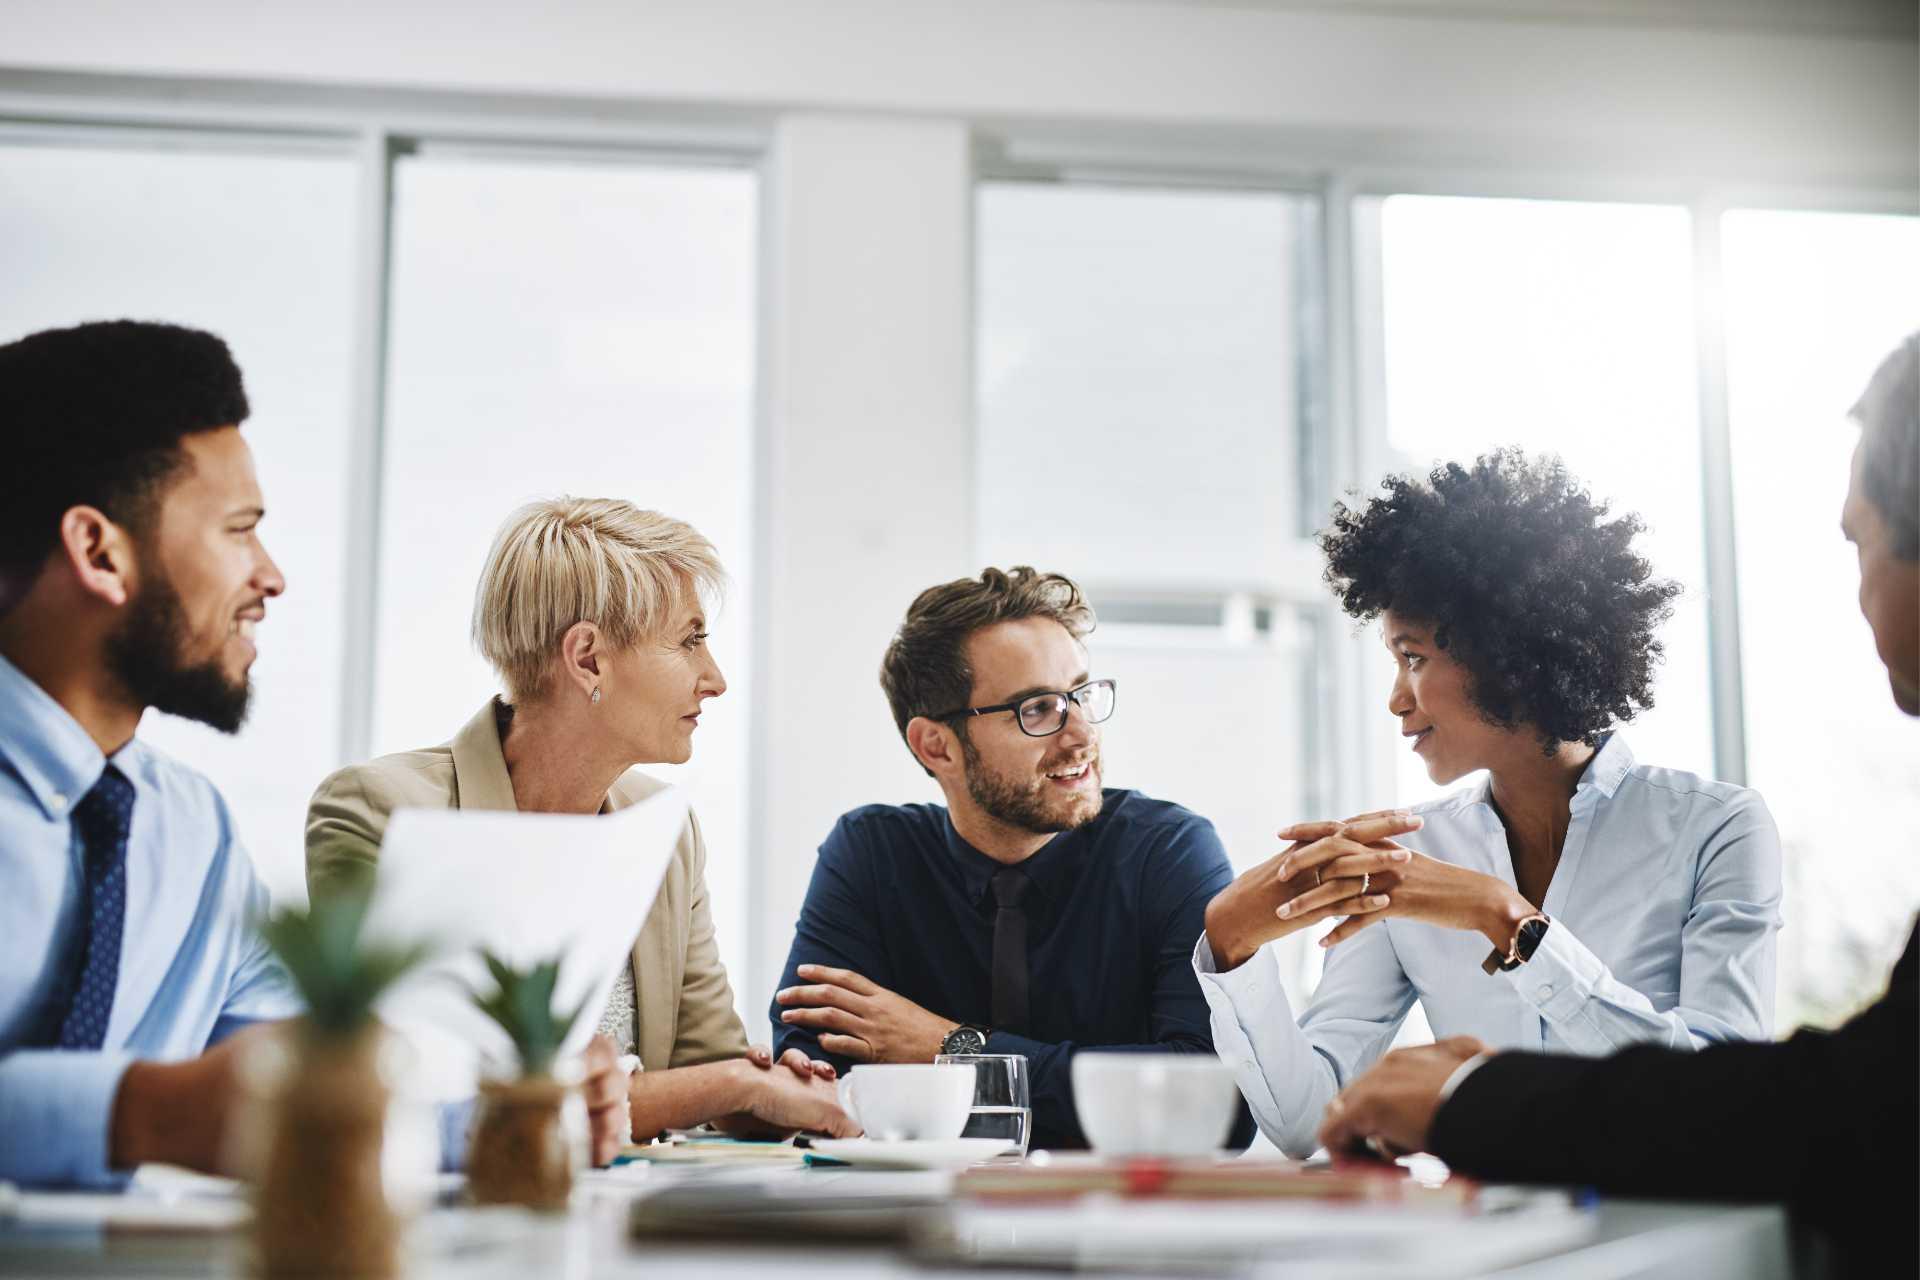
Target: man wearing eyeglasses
{"type": "Point", "coordinates": [1035, 913]}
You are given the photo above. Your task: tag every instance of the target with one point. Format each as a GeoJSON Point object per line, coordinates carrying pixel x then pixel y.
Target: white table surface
{"type": "Point", "coordinates": [1538, 1236]}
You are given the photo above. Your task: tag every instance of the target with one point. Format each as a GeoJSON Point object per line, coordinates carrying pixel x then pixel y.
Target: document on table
{"type": "Point", "coordinates": [527, 886]}
{"type": "Point", "coordinates": [159, 1198]}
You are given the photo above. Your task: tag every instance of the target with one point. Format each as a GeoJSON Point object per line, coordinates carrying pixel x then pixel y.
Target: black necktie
{"type": "Point", "coordinates": [1010, 1009]}
{"type": "Point", "coordinates": [102, 820]}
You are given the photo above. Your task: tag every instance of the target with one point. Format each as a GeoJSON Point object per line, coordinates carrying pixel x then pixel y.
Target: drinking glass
{"type": "Point", "coordinates": [1002, 1104]}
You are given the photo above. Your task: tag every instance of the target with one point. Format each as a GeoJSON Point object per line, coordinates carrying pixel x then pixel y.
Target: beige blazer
{"type": "Point", "coordinates": [680, 991]}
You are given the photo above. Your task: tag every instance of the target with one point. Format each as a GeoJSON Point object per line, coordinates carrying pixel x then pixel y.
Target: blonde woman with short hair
{"type": "Point", "coordinates": [594, 615]}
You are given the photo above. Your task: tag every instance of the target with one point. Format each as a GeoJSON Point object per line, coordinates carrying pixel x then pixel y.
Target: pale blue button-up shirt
{"type": "Point", "coordinates": [191, 968]}
{"type": "Point", "coordinates": [1665, 907]}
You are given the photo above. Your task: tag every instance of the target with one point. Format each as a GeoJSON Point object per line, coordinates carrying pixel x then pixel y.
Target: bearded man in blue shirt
{"type": "Point", "coordinates": [132, 575]}
{"type": "Point", "coordinates": [1036, 913]}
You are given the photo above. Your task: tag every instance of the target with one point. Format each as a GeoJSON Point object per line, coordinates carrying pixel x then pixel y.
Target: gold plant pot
{"type": "Point", "coordinates": [321, 1205]}
{"type": "Point", "coordinates": [529, 1136]}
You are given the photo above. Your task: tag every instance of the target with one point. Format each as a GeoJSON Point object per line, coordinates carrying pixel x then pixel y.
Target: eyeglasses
{"type": "Point", "coordinates": [1041, 715]}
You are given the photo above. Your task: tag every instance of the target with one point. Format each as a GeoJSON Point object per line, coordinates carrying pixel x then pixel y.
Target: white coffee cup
{"type": "Point", "coordinates": [1154, 1104]}
{"type": "Point", "coordinates": [894, 1101]}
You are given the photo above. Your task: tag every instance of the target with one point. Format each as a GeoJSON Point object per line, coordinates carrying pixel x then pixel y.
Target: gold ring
{"type": "Point", "coordinates": [1316, 877]}
{"type": "Point", "coordinates": [1365, 880]}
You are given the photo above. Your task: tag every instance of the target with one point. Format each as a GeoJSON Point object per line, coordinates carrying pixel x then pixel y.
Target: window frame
{"type": "Point", "coordinates": [1352, 763]}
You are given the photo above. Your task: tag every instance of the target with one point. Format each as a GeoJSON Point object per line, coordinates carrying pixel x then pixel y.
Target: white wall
{"type": "Point", "coordinates": [1765, 103]}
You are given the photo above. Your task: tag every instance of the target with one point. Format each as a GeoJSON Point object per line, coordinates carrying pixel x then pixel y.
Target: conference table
{"type": "Point", "coordinates": [853, 1224]}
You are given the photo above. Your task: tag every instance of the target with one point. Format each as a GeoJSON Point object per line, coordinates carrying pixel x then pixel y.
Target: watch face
{"type": "Point", "coordinates": [964, 1040]}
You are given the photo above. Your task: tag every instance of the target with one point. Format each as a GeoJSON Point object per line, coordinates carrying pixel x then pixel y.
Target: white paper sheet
{"type": "Point", "coordinates": [528, 886]}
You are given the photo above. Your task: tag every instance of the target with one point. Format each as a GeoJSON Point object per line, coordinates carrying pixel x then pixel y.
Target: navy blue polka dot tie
{"type": "Point", "coordinates": [102, 819]}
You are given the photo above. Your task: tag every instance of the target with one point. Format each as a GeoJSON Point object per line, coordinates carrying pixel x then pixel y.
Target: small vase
{"type": "Point", "coordinates": [529, 1137]}
{"type": "Point", "coordinates": [321, 1206]}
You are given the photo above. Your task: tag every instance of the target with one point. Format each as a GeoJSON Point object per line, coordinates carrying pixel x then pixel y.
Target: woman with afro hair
{"type": "Point", "coordinates": [1574, 900]}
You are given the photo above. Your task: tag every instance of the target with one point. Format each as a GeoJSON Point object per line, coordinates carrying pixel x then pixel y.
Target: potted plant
{"type": "Point", "coordinates": [322, 1206]}
{"type": "Point", "coordinates": [529, 1132]}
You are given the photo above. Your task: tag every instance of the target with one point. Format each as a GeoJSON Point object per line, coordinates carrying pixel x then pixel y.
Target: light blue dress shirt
{"type": "Point", "coordinates": [192, 970]}
{"type": "Point", "coordinates": [1665, 906]}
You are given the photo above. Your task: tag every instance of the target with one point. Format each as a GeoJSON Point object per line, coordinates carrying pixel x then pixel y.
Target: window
{"type": "Point", "coordinates": [257, 246]}
{"type": "Point", "coordinates": [1565, 328]}
{"type": "Point", "coordinates": [1145, 389]}
{"type": "Point", "coordinates": [1140, 357]}
{"type": "Point", "coordinates": [1814, 301]}
{"type": "Point", "coordinates": [566, 327]}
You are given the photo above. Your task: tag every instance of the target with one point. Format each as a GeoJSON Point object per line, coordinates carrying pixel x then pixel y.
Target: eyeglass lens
{"type": "Point", "coordinates": [1045, 714]}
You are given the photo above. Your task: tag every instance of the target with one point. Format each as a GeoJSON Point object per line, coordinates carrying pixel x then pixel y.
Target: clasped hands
{"type": "Point", "coordinates": [1356, 869]}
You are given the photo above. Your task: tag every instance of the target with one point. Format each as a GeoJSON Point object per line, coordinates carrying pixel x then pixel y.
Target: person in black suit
{"type": "Point", "coordinates": [1827, 1123]}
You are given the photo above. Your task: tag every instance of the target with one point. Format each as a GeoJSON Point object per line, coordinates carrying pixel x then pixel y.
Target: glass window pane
{"type": "Point", "coordinates": [1814, 301]}
{"type": "Point", "coordinates": [1139, 428]}
{"type": "Point", "coordinates": [566, 328]}
{"type": "Point", "coordinates": [257, 248]}
{"type": "Point", "coordinates": [1567, 328]}
{"type": "Point", "coordinates": [1136, 381]}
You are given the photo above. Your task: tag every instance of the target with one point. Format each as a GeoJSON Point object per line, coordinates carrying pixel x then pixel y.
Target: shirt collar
{"type": "Point", "coordinates": [1609, 767]}
{"type": "Point", "coordinates": [1051, 868]}
{"type": "Point", "coordinates": [54, 756]}
{"type": "Point", "coordinates": [1604, 773]}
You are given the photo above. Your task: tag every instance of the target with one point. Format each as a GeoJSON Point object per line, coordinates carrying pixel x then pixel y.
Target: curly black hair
{"type": "Point", "coordinates": [1525, 581]}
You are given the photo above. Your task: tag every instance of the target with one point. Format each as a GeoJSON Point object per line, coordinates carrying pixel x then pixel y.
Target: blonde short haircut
{"type": "Point", "coordinates": [569, 560]}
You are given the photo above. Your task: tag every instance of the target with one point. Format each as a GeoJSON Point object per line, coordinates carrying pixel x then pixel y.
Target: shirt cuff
{"type": "Point", "coordinates": [56, 1109]}
{"type": "Point", "coordinates": [1248, 988]}
{"type": "Point", "coordinates": [1560, 978]}
{"type": "Point", "coordinates": [1460, 1073]}
{"type": "Point", "coordinates": [455, 1118]}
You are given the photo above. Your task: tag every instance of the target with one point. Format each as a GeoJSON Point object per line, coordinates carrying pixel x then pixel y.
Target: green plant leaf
{"type": "Point", "coordinates": [522, 1003]}
{"type": "Point", "coordinates": [339, 980]}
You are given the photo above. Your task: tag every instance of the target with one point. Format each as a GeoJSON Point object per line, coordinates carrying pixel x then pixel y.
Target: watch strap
{"type": "Point", "coordinates": [1526, 941]}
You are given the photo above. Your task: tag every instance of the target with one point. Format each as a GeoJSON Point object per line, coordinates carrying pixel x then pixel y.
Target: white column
{"type": "Point", "coordinates": [865, 487]}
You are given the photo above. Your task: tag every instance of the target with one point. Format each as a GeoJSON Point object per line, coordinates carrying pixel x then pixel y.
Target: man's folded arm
{"type": "Point", "coordinates": [837, 928]}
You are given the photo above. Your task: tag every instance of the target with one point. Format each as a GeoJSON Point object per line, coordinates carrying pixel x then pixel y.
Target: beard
{"type": "Point", "coordinates": [1026, 804]}
{"type": "Point", "coordinates": [146, 655]}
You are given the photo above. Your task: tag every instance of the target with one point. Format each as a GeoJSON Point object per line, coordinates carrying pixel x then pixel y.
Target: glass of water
{"type": "Point", "coordinates": [1002, 1105]}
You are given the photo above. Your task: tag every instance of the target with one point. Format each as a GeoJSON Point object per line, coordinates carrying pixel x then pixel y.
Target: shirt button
{"type": "Point", "coordinates": [1546, 989]}
{"type": "Point", "coordinates": [59, 801]}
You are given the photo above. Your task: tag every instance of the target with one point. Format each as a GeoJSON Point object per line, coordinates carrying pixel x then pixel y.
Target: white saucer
{"type": "Point", "coordinates": [912, 1153]}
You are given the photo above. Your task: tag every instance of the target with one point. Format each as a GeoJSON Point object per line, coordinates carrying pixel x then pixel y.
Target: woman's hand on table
{"type": "Point", "coordinates": [793, 1060]}
{"type": "Point", "coordinates": [1319, 875]}
{"type": "Point", "coordinates": [777, 1099]}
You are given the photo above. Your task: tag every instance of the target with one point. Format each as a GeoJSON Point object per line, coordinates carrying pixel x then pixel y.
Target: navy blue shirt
{"type": "Point", "coordinates": [1113, 916]}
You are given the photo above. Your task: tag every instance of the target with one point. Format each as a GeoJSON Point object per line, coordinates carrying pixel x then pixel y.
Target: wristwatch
{"type": "Point", "coordinates": [1526, 941]}
{"type": "Point", "coordinates": [965, 1039]}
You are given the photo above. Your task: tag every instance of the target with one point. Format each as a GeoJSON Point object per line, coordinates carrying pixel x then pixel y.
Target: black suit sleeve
{"type": "Point", "coordinates": [1827, 1122]}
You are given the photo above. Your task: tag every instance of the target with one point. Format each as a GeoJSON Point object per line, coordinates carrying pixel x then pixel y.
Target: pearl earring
{"type": "Point", "coordinates": [595, 699]}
